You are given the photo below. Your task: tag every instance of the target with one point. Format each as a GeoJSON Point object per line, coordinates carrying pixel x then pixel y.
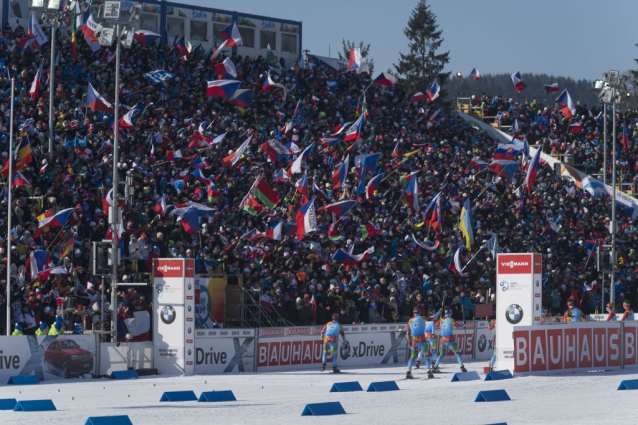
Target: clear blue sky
{"type": "Point", "coordinates": [577, 38]}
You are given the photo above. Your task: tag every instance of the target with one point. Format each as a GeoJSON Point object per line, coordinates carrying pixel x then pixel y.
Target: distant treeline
{"type": "Point", "coordinates": [501, 85]}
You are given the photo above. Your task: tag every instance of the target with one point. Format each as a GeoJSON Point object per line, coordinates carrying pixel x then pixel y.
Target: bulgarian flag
{"type": "Point", "coordinates": [264, 193]}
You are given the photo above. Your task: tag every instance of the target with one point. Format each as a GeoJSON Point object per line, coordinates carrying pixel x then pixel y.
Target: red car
{"type": "Point", "coordinates": [64, 357]}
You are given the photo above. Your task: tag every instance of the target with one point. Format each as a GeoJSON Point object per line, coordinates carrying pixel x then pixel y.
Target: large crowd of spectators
{"type": "Point", "coordinates": [297, 279]}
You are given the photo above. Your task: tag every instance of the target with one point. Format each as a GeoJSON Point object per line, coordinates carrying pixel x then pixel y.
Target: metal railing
{"type": "Point", "coordinates": [257, 315]}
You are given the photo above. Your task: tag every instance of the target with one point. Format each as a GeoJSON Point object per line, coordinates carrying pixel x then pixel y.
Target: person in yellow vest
{"type": "Point", "coordinates": [43, 329]}
{"type": "Point", "coordinates": [56, 329]}
{"type": "Point", "coordinates": [17, 330]}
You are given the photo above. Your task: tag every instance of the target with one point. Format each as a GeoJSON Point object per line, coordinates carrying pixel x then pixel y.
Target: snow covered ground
{"type": "Point", "coordinates": [279, 398]}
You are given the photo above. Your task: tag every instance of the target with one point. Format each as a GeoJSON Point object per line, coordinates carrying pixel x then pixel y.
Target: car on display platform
{"type": "Point", "coordinates": [64, 357]}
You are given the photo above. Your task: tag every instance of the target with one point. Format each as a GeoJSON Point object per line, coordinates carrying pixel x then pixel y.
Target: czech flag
{"type": "Point", "coordinates": [435, 221]}
{"type": "Point", "coordinates": [57, 220]}
{"type": "Point", "coordinates": [226, 70]}
{"type": "Point", "coordinates": [242, 98]}
{"type": "Point", "coordinates": [222, 88]}
{"type": "Point", "coordinates": [198, 162]}
{"type": "Point", "coordinates": [475, 74]}
{"type": "Point", "coordinates": [295, 168]}
{"type": "Point", "coordinates": [234, 157]}
{"type": "Point", "coordinates": [318, 192]}
{"type": "Point", "coordinates": [231, 35]}
{"type": "Point", "coordinates": [574, 128]}
{"type": "Point", "coordinates": [519, 85]}
{"type": "Point", "coordinates": [412, 193]}
{"type": "Point", "coordinates": [354, 131]}
{"type": "Point", "coordinates": [418, 97]}
{"type": "Point", "coordinates": [275, 150]}
{"type": "Point", "coordinates": [373, 184]}
{"type": "Point", "coordinates": [566, 104]}
{"type": "Point", "coordinates": [355, 59]}
{"type": "Point", "coordinates": [269, 83]}
{"type": "Point", "coordinates": [327, 141]}
{"type": "Point", "coordinates": [507, 151]}
{"type": "Point", "coordinates": [385, 79]}
{"type": "Point", "coordinates": [306, 219]}
{"type": "Point", "coordinates": [551, 88]}
{"type": "Point", "coordinates": [127, 120]}
{"type": "Point", "coordinates": [35, 86]}
{"type": "Point", "coordinates": [96, 102]}
{"type": "Point", "coordinates": [190, 220]}
{"type": "Point", "coordinates": [339, 209]}
{"type": "Point", "coordinates": [503, 167]}
{"type": "Point", "coordinates": [280, 176]}
{"type": "Point", "coordinates": [200, 177]}
{"type": "Point", "coordinates": [145, 37]}
{"type": "Point", "coordinates": [275, 232]}
{"type": "Point", "coordinates": [625, 137]}
{"type": "Point", "coordinates": [301, 186]}
{"type": "Point", "coordinates": [532, 169]}
{"type": "Point", "coordinates": [161, 206]}
{"type": "Point", "coordinates": [173, 155]}
{"type": "Point", "coordinates": [367, 161]}
{"type": "Point", "coordinates": [350, 260]}
{"type": "Point", "coordinates": [184, 46]}
{"type": "Point", "coordinates": [340, 175]}
{"type": "Point", "coordinates": [433, 92]}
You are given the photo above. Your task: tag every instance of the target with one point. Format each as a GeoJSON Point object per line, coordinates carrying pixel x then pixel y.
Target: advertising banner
{"type": "Point", "coordinates": [484, 341]}
{"type": "Point", "coordinates": [47, 357]}
{"type": "Point", "coordinates": [210, 299]}
{"type": "Point", "coordinates": [174, 321]}
{"type": "Point", "coordinates": [518, 300]}
{"type": "Point", "coordinates": [224, 351]}
{"type": "Point", "coordinates": [570, 346]}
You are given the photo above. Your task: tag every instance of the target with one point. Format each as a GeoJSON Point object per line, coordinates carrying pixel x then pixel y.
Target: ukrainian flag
{"type": "Point", "coordinates": [465, 224]}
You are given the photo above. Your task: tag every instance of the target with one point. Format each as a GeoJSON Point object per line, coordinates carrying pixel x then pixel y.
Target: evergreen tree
{"type": "Point", "coordinates": [348, 45]}
{"type": "Point", "coordinates": [422, 65]}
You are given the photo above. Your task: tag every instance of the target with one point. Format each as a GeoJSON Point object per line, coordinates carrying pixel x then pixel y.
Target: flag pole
{"type": "Point", "coordinates": [474, 256]}
{"type": "Point", "coordinates": [10, 203]}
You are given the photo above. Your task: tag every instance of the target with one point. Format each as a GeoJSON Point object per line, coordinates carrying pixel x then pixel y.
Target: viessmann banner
{"type": "Point", "coordinates": [224, 351]}
{"type": "Point", "coordinates": [47, 357]}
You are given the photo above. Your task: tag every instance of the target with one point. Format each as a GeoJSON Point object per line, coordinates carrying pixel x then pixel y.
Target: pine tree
{"type": "Point", "coordinates": [422, 65]}
{"type": "Point", "coordinates": [348, 45]}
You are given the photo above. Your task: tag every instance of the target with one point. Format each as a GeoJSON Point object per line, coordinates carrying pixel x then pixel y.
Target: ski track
{"type": "Point", "coordinates": [279, 397]}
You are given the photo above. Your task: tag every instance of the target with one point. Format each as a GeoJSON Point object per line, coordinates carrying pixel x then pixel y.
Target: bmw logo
{"type": "Point", "coordinates": [538, 307]}
{"type": "Point", "coordinates": [168, 315]}
{"type": "Point", "coordinates": [482, 343]}
{"type": "Point", "coordinates": [514, 314]}
{"type": "Point", "coordinates": [189, 286]}
{"type": "Point", "coordinates": [190, 351]}
{"type": "Point", "coordinates": [190, 330]}
{"type": "Point", "coordinates": [538, 284]}
{"type": "Point", "coordinates": [190, 308]}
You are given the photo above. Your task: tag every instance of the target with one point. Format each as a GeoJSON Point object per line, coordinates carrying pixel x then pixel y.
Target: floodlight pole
{"type": "Point", "coordinates": [115, 217]}
{"type": "Point", "coordinates": [9, 204]}
{"type": "Point", "coordinates": [612, 291]}
{"type": "Point", "coordinates": [54, 29]}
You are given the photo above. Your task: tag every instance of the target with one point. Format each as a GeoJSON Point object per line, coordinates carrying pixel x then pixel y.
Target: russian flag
{"type": "Point", "coordinates": [566, 104]}
{"type": "Point", "coordinates": [625, 136]}
{"type": "Point", "coordinates": [475, 74]}
{"type": "Point", "coordinates": [57, 220]}
{"type": "Point", "coordinates": [551, 88]}
{"type": "Point", "coordinates": [339, 209]}
{"type": "Point", "coordinates": [242, 98]}
{"type": "Point", "coordinates": [306, 219]}
{"type": "Point", "coordinates": [574, 128]}
{"type": "Point", "coordinates": [507, 151]}
{"type": "Point", "coordinates": [532, 169]}
{"type": "Point", "coordinates": [412, 193]}
{"type": "Point", "coordinates": [354, 131]}
{"type": "Point", "coordinates": [301, 186]}
{"type": "Point", "coordinates": [355, 59]}
{"type": "Point", "coordinates": [127, 120]}
{"type": "Point", "coordinates": [340, 175]}
{"type": "Point", "coordinates": [385, 79]}
{"type": "Point", "coordinates": [519, 85]}
{"type": "Point", "coordinates": [350, 260]}
{"type": "Point", "coordinates": [503, 167]}
{"type": "Point", "coordinates": [97, 103]}
{"type": "Point", "coordinates": [222, 88]}
{"type": "Point", "coordinates": [373, 184]}
{"type": "Point", "coordinates": [226, 70]}
{"type": "Point", "coordinates": [433, 92]}
{"type": "Point", "coordinates": [145, 37]}
{"type": "Point", "coordinates": [418, 97]}
{"type": "Point", "coordinates": [35, 86]}
{"type": "Point", "coordinates": [231, 35]}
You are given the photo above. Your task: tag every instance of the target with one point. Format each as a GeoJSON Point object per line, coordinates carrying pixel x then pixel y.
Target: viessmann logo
{"type": "Point", "coordinates": [165, 268]}
{"type": "Point", "coordinates": [512, 264]}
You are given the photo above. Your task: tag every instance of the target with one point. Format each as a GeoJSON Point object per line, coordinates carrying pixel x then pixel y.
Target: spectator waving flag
{"type": "Point", "coordinates": [96, 102]}
{"type": "Point", "coordinates": [417, 97]}
{"type": "Point", "coordinates": [37, 37]}
{"type": "Point", "coordinates": [433, 92]}
{"type": "Point", "coordinates": [519, 85]}
{"type": "Point", "coordinates": [339, 209]}
{"type": "Point", "coordinates": [566, 104]}
{"type": "Point", "coordinates": [475, 74]}
{"type": "Point", "coordinates": [355, 59]}
{"type": "Point", "coordinates": [242, 98]}
{"type": "Point", "coordinates": [301, 186]}
{"type": "Point", "coordinates": [270, 84]}
{"type": "Point", "coordinates": [507, 151]}
{"type": "Point", "coordinates": [295, 168]}
{"type": "Point", "coordinates": [532, 169]}
{"type": "Point", "coordinates": [306, 219]}
{"type": "Point", "coordinates": [340, 174]}
{"type": "Point", "coordinates": [385, 79]}
{"type": "Point", "coordinates": [551, 88]}
{"type": "Point", "coordinates": [625, 136]}
{"type": "Point", "coordinates": [226, 70]}
{"type": "Point", "coordinates": [222, 88]}
{"type": "Point", "coordinates": [504, 168]}
{"type": "Point", "coordinates": [231, 35]}
{"type": "Point", "coordinates": [264, 193]}
{"type": "Point", "coordinates": [158, 76]}
{"type": "Point", "coordinates": [234, 157]}
{"type": "Point", "coordinates": [574, 128]}
{"type": "Point", "coordinates": [351, 260]}
{"type": "Point", "coordinates": [275, 232]}
{"type": "Point", "coordinates": [465, 224]}
{"type": "Point", "coordinates": [425, 246]}
{"type": "Point", "coordinates": [35, 86]}
{"type": "Point", "coordinates": [373, 184]}
{"type": "Point", "coordinates": [411, 192]}
{"type": "Point", "coordinates": [368, 162]}
{"type": "Point", "coordinates": [127, 120]}
{"type": "Point", "coordinates": [57, 220]}
{"type": "Point", "coordinates": [275, 150]}
{"type": "Point", "coordinates": [184, 46]}
{"type": "Point", "coordinates": [354, 131]}
{"type": "Point", "coordinates": [145, 37]}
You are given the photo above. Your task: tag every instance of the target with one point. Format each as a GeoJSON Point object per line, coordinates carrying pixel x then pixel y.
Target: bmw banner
{"type": "Point", "coordinates": [518, 300]}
